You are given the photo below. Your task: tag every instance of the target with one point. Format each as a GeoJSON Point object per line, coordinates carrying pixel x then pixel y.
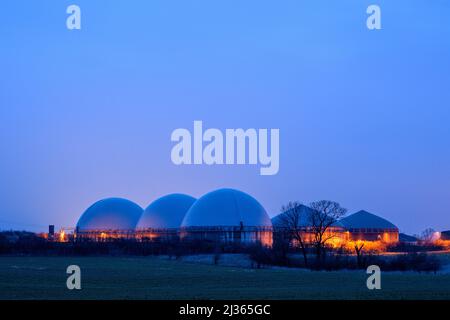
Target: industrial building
{"type": "Point", "coordinates": [366, 226]}
{"type": "Point", "coordinates": [162, 219]}
{"type": "Point", "coordinates": [445, 235]}
{"type": "Point", "coordinates": [110, 218]}
{"type": "Point", "coordinates": [302, 222]}
{"type": "Point", "coordinates": [227, 215]}
{"type": "Point", "coordinates": [224, 215]}
{"type": "Point", "coordinates": [360, 226]}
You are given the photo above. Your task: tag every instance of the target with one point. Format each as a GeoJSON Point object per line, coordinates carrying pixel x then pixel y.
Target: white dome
{"type": "Point", "coordinates": [226, 207]}
{"type": "Point", "coordinates": [166, 212]}
{"type": "Point", "coordinates": [110, 214]}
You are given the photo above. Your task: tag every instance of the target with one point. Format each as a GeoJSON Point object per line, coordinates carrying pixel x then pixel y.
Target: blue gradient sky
{"type": "Point", "coordinates": [364, 116]}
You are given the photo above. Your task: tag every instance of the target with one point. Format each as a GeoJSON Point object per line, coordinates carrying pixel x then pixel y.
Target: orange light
{"type": "Point", "coordinates": [62, 236]}
{"type": "Point", "coordinates": [336, 242]}
{"type": "Point", "coordinates": [367, 246]}
{"type": "Point", "coordinates": [443, 243]}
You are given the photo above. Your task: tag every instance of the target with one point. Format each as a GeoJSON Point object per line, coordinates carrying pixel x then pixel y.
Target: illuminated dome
{"type": "Point", "coordinates": [166, 212]}
{"type": "Point", "coordinates": [226, 207]}
{"type": "Point", "coordinates": [110, 214]}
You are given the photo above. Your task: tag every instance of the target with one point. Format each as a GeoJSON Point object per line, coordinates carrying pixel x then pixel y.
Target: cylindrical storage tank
{"type": "Point", "coordinates": [227, 215]}
{"type": "Point", "coordinates": [163, 217]}
{"type": "Point", "coordinates": [109, 218]}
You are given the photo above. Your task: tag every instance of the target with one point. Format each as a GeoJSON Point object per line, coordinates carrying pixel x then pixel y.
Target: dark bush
{"type": "Point", "coordinates": [281, 254]}
{"type": "Point", "coordinates": [413, 247]}
{"type": "Point", "coordinates": [419, 262]}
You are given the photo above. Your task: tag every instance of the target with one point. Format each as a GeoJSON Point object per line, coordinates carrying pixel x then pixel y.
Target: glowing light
{"type": "Point", "coordinates": [62, 236]}
{"type": "Point", "coordinates": [443, 243]}
{"type": "Point", "coordinates": [436, 236]}
{"type": "Point", "coordinates": [336, 242]}
{"type": "Point", "coordinates": [366, 246]}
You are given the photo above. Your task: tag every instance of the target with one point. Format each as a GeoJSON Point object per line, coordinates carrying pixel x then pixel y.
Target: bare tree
{"type": "Point", "coordinates": [290, 222]}
{"type": "Point", "coordinates": [428, 235]}
{"type": "Point", "coordinates": [358, 250]}
{"type": "Point", "coordinates": [324, 214]}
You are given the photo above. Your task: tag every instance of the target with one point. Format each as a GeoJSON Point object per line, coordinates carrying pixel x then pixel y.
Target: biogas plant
{"type": "Point", "coordinates": [224, 215]}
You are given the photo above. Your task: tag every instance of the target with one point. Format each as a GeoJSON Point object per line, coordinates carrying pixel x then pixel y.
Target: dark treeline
{"type": "Point", "coordinates": [280, 254]}
{"type": "Point", "coordinates": [26, 243]}
{"type": "Point", "coordinates": [334, 260]}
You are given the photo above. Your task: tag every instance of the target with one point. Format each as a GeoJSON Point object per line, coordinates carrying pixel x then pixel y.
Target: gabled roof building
{"type": "Point", "coordinates": [364, 225]}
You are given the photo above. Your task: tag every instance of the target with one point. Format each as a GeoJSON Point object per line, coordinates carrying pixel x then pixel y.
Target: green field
{"type": "Point", "coordinates": [153, 278]}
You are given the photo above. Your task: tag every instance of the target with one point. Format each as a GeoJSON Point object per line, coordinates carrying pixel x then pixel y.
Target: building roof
{"type": "Point", "coordinates": [366, 220]}
{"type": "Point", "coordinates": [305, 213]}
{"type": "Point", "coordinates": [226, 207]}
{"type": "Point", "coordinates": [406, 238]}
{"type": "Point", "coordinates": [445, 235]}
{"type": "Point", "coordinates": [166, 212]}
{"type": "Point", "coordinates": [110, 214]}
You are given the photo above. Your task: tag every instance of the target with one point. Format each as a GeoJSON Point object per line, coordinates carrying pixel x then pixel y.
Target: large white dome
{"type": "Point", "coordinates": [226, 207]}
{"type": "Point", "coordinates": [110, 214]}
{"type": "Point", "coordinates": [166, 212]}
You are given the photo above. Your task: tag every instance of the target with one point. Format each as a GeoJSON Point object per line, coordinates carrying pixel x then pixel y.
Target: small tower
{"type": "Point", "coordinates": [51, 232]}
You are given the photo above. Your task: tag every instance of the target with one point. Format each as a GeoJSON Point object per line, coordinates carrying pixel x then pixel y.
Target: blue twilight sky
{"type": "Point", "coordinates": [364, 116]}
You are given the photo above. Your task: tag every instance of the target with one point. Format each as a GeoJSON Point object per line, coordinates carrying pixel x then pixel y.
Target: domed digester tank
{"type": "Point", "coordinates": [162, 218]}
{"type": "Point", "coordinates": [227, 215]}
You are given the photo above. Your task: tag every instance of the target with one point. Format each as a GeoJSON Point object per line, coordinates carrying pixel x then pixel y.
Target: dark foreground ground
{"type": "Point", "coordinates": [154, 278]}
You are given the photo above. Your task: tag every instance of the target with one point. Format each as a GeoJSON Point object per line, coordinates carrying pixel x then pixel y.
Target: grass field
{"type": "Point", "coordinates": [153, 278]}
